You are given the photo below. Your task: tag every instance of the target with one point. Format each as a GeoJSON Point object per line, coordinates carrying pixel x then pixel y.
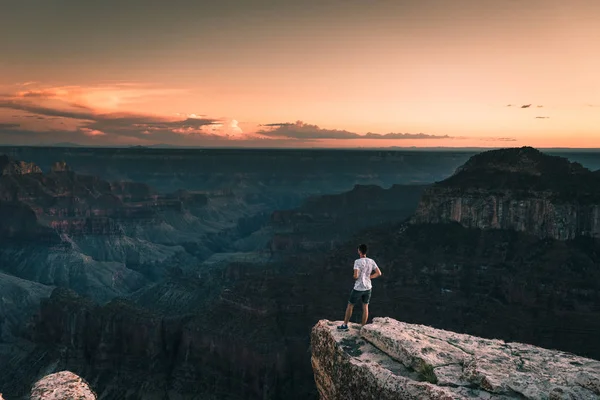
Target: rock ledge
{"type": "Point", "coordinates": [389, 359]}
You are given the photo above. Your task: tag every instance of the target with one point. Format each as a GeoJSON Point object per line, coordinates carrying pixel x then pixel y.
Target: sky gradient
{"type": "Point", "coordinates": [309, 73]}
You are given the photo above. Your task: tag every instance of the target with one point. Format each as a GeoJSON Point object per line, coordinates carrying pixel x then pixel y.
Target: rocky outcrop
{"type": "Point", "coordinates": [60, 166]}
{"type": "Point", "coordinates": [11, 167]}
{"type": "Point", "coordinates": [518, 189]}
{"type": "Point", "coordinates": [63, 385]}
{"type": "Point", "coordinates": [76, 205]}
{"type": "Point", "coordinates": [389, 359]}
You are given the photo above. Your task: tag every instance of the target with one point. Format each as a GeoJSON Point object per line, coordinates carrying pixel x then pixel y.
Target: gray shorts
{"type": "Point", "coordinates": [364, 295]}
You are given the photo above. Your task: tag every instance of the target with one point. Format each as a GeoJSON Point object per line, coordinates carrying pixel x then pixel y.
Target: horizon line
{"type": "Point", "coordinates": [176, 147]}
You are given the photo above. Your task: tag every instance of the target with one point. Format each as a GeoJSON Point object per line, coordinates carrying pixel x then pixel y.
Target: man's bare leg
{"type": "Point", "coordinates": [365, 314]}
{"type": "Point", "coordinates": [349, 310]}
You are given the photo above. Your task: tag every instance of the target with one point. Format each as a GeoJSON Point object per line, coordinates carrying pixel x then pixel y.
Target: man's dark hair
{"type": "Point", "coordinates": [363, 249]}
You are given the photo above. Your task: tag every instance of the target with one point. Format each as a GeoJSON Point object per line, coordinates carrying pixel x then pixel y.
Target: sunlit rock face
{"type": "Point", "coordinates": [518, 189]}
{"type": "Point", "coordinates": [389, 359]}
{"type": "Point", "coordinates": [63, 385]}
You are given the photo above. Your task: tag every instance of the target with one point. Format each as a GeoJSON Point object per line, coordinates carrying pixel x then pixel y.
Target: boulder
{"type": "Point", "coordinates": [63, 385]}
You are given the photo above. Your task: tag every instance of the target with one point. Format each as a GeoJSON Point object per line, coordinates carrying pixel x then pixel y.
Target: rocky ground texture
{"type": "Point", "coordinates": [389, 359]}
{"type": "Point", "coordinates": [63, 385]}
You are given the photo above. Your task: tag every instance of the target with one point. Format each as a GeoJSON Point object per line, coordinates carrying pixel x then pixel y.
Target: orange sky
{"type": "Point", "coordinates": [441, 72]}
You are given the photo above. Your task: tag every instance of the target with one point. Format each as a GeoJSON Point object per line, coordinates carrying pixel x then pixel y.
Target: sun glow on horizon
{"type": "Point", "coordinates": [431, 73]}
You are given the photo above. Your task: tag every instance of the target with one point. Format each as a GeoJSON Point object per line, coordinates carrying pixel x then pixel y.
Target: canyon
{"type": "Point", "coordinates": [204, 279]}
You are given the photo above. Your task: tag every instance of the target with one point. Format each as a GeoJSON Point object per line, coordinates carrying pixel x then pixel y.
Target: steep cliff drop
{"type": "Point", "coordinates": [519, 189]}
{"type": "Point", "coordinates": [389, 359]}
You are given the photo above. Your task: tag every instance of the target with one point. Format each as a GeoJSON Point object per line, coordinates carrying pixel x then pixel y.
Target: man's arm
{"type": "Point", "coordinates": [356, 270]}
{"type": "Point", "coordinates": [376, 274]}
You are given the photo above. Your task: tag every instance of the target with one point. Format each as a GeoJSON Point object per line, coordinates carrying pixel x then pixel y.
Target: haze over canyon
{"type": "Point", "coordinates": [156, 273]}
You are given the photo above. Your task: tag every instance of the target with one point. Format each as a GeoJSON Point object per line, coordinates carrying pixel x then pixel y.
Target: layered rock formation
{"type": "Point", "coordinates": [106, 239]}
{"type": "Point", "coordinates": [521, 189]}
{"type": "Point", "coordinates": [394, 360]}
{"type": "Point", "coordinates": [63, 385]}
{"type": "Point", "coordinates": [12, 167]}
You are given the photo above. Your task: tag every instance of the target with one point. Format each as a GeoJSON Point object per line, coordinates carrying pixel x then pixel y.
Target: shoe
{"type": "Point", "coordinates": [342, 327]}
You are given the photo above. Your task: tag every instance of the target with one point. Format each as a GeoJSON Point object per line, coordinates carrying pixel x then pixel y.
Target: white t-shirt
{"type": "Point", "coordinates": [365, 267]}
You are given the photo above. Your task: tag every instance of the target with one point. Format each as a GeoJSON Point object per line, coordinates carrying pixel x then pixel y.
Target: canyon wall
{"type": "Point", "coordinates": [536, 213]}
{"type": "Point", "coordinates": [517, 189]}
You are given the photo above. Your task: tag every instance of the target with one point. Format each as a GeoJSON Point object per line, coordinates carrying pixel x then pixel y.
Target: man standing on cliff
{"type": "Point", "coordinates": [365, 269]}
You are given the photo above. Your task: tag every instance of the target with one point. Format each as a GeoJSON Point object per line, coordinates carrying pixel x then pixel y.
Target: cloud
{"type": "Point", "coordinates": [525, 106]}
{"type": "Point", "coordinates": [542, 117]}
{"type": "Point", "coordinates": [302, 131]}
{"type": "Point", "coordinates": [54, 110]}
{"type": "Point", "coordinates": [9, 126]}
{"type": "Point", "coordinates": [92, 132]}
{"type": "Point", "coordinates": [277, 124]}
{"type": "Point", "coordinates": [30, 107]}
{"type": "Point", "coordinates": [105, 97]}
{"type": "Point", "coordinates": [405, 136]}
{"type": "Point", "coordinates": [98, 115]}
{"type": "Point", "coordinates": [499, 139]}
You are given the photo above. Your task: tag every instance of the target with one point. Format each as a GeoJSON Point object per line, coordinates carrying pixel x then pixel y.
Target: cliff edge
{"type": "Point", "coordinates": [389, 359]}
{"type": "Point", "coordinates": [518, 189]}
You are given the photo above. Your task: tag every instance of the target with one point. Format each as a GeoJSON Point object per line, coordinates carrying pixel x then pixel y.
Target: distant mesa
{"type": "Point", "coordinates": [524, 160]}
{"type": "Point", "coordinates": [519, 189]}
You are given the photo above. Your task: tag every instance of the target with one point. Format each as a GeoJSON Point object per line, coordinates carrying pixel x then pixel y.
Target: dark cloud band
{"type": "Point", "coordinates": [302, 131]}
